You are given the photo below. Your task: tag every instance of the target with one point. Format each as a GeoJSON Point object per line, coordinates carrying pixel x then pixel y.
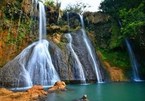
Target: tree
{"type": "Point", "coordinates": [132, 20]}
{"type": "Point", "coordinates": [129, 14]}
{"type": "Point", "coordinates": [77, 8]}
{"type": "Point", "coordinates": [112, 7]}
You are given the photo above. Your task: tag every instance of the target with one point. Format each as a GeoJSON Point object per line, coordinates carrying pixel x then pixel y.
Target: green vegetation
{"type": "Point", "coordinates": [115, 36]}
{"type": "Point", "coordinates": [129, 14]}
{"type": "Point", "coordinates": [132, 20]}
{"type": "Point", "coordinates": [116, 58]}
{"type": "Point", "coordinates": [129, 22]}
{"type": "Point", "coordinates": [15, 21]}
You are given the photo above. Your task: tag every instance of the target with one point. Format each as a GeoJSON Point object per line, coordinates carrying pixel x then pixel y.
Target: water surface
{"type": "Point", "coordinates": [102, 92]}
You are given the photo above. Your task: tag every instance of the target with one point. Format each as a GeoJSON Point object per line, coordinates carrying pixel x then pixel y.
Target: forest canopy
{"type": "Point", "coordinates": [129, 14]}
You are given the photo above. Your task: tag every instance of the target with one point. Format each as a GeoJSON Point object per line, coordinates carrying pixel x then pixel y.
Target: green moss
{"type": "Point", "coordinates": [62, 45]}
{"type": "Point", "coordinates": [115, 40]}
{"type": "Point", "coordinates": [116, 58]}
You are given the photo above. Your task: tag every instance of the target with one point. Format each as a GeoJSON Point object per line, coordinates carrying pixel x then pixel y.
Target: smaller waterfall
{"type": "Point", "coordinates": [78, 66]}
{"type": "Point", "coordinates": [133, 61]}
{"type": "Point", "coordinates": [87, 42]}
{"type": "Point", "coordinates": [82, 21]}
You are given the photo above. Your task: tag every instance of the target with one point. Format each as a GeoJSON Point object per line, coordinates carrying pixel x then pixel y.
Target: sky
{"type": "Point", "coordinates": [93, 3]}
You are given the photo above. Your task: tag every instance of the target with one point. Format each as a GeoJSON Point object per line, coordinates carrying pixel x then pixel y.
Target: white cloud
{"type": "Point", "coordinates": [93, 3]}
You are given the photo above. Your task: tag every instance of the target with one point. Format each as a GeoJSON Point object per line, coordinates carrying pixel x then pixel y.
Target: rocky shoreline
{"type": "Point", "coordinates": [36, 93]}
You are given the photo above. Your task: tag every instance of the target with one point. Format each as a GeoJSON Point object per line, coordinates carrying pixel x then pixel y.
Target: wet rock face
{"type": "Point", "coordinates": [15, 72]}
{"type": "Point", "coordinates": [32, 66]}
{"type": "Point", "coordinates": [59, 61]}
{"type": "Point", "coordinates": [10, 75]}
{"type": "Point", "coordinates": [64, 62]}
{"type": "Point", "coordinates": [81, 50]}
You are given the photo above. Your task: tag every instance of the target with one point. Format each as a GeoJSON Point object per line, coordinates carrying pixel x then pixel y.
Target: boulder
{"type": "Point", "coordinates": [59, 85]}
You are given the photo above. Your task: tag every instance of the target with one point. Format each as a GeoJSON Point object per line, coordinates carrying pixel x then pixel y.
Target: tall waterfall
{"type": "Point", "coordinates": [34, 64]}
{"type": "Point", "coordinates": [92, 55]}
{"type": "Point", "coordinates": [42, 21]}
{"type": "Point", "coordinates": [68, 21]}
{"type": "Point", "coordinates": [79, 74]}
{"type": "Point", "coordinates": [41, 55]}
{"type": "Point", "coordinates": [133, 61]}
{"type": "Point", "coordinates": [40, 59]}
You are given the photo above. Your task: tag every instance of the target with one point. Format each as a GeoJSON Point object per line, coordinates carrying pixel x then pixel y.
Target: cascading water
{"type": "Point", "coordinates": [42, 21]}
{"type": "Point", "coordinates": [40, 58]}
{"type": "Point", "coordinates": [68, 21]}
{"type": "Point", "coordinates": [79, 74]}
{"type": "Point", "coordinates": [33, 65]}
{"type": "Point", "coordinates": [87, 42]}
{"type": "Point", "coordinates": [133, 61]}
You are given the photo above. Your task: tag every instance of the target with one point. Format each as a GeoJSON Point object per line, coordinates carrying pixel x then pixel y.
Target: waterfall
{"type": "Point", "coordinates": [40, 58]}
{"type": "Point", "coordinates": [133, 61]}
{"type": "Point", "coordinates": [68, 21]}
{"type": "Point", "coordinates": [33, 66]}
{"type": "Point", "coordinates": [82, 21]}
{"type": "Point", "coordinates": [42, 21]}
{"type": "Point", "coordinates": [77, 66]}
{"type": "Point", "coordinates": [92, 55]}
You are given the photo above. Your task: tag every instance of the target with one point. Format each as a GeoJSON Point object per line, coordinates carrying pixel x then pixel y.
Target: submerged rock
{"type": "Point", "coordinates": [83, 98]}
